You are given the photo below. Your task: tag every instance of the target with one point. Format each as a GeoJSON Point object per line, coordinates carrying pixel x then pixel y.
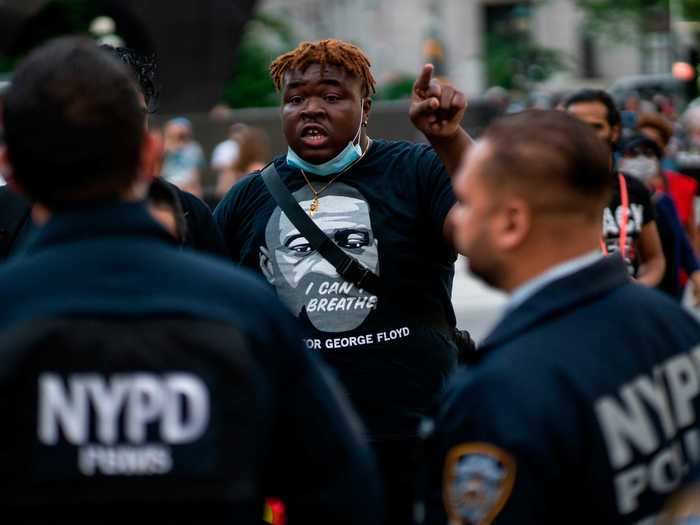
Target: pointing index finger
{"type": "Point", "coordinates": [423, 80]}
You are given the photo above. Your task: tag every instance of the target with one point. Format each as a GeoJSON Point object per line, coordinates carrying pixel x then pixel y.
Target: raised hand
{"type": "Point", "coordinates": [437, 107]}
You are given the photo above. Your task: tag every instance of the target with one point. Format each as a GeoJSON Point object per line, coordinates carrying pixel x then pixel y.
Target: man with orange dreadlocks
{"type": "Point", "coordinates": [385, 325]}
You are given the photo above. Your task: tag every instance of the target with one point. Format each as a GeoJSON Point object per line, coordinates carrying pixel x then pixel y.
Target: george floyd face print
{"type": "Point", "coordinates": [304, 280]}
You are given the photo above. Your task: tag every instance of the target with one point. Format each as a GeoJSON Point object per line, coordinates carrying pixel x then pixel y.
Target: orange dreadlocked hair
{"type": "Point", "coordinates": [325, 52]}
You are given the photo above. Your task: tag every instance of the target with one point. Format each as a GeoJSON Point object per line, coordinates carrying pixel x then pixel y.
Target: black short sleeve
{"type": "Point", "coordinates": [639, 194]}
{"type": "Point", "coordinates": [435, 193]}
{"type": "Point", "coordinates": [228, 218]}
{"type": "Point", "coordinates": [202, 233]}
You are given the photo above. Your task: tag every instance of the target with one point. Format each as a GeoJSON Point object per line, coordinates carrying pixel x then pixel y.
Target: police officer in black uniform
{"type": "Point", "coordinates": [583, 405]}
{"type": "Point", "coordinates": [139, 380]}
{"type": "Point", "coordinates": [198, 230]}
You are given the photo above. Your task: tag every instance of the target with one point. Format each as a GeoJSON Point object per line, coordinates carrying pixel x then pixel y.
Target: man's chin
{"type": "Point", "coordinates": [316, 155]}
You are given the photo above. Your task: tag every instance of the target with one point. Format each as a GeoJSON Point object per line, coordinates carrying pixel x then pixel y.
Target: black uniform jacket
{"type": "Point", "coordinates": [582, 409]}
{"type": "Point", "coordinates": [138, 378]}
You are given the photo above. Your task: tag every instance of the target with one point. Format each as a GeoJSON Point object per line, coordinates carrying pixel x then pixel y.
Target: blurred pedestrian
{"type": "Point", "coordinates": [641, 159]}
{"type": "Point", "coordinates": [629, 226]}
{"type": "Point", "coordinates": [140, 379]}
{"type": "Point", "coordinates": [183, 162]}
{"type": "Point", "coordinates": [691, 128]}
{"type": "Point", "coordinates": [583, 393]}
{"type": "Point", "coordinates": [226, 152]}
{"type": "Point", "coordinates": [687, 156]}
{"type": "Point", "coordinates": [499, 98]}
{"type": "Point", "coordinates": [253, 154]}
{"type": "Point", "coordinates": [681, 188]}
{"type": "Point", "coordinates": [665, 105]}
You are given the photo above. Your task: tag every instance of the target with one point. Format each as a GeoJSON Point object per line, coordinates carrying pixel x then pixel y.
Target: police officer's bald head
{"type": "Point", "coordinates": [551, 159]}
{"type": "Point", "coordinates": [531, 194]}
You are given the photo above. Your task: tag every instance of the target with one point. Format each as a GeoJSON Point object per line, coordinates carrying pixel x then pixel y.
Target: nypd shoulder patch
{"type": "Point", "coordinates": [478, 480]}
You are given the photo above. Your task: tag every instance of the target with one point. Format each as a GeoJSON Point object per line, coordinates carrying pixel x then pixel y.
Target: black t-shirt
{"type": "Point", "coordinates": [394, 352]}
{"type": "Point", "coordinates": [102, 300]}
{"type": "Point", "coordinates": [202, 234]}
{"type": "Point", "coordinates": [640, 214]}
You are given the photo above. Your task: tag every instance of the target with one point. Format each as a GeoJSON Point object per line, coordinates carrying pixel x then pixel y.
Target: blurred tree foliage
{"type": "Point", "coordinates": [607, 10]}
{"type": "Point", "coordinates": [266, 36]}
{"type": "Point", "coordinates": [399, 88]}
{"type": "Point", "coordinates": [517, 64]}
{"type": "Point", "coordinates": [7, 64]}
{"type": "Point", "coordinates": [616, 18]}
{"type": "Point", "coordinates": [690, 9]}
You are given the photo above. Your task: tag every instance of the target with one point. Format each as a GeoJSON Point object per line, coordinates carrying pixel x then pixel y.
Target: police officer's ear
{"type": "Point", "coordinates": [151, 156]}
{"type": "Point", "coordinates": [513, 223]}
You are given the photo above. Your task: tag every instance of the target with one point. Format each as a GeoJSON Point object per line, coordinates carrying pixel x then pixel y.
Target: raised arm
{"type": "Point", "coordinates": [437, 108]}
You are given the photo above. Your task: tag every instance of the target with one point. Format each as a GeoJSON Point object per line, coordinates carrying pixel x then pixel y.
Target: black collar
{"type": "Point", "coordinates": [107, 219]}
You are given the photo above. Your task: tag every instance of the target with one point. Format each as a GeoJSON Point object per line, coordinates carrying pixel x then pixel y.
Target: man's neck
{"type": "Point", "coordinates": [541, 257]}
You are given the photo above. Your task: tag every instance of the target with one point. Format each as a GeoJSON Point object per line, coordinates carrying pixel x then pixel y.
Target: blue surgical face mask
{"type": "Point", "coordinates": [351, 153]}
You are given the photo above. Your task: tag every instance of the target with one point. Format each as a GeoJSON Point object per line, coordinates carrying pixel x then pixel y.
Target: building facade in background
{"type": "Point", "coordinates": [471, 38]}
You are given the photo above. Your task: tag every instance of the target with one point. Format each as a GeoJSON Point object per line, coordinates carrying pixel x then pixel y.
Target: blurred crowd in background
{"type": "Point", "coordinates": [246, 149]}
{"type": "Point", "coordinates": [674, 125]}
{"type": "Point", "coordinates": [672, 169]}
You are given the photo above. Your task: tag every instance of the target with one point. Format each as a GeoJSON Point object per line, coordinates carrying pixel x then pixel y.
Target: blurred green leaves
{"type": "Point", "coordinates": [619, 19]}
{"type": "Point", "coordinates": [517, 64]}
{"type": "Point", "coordinates": [266, 36]}
{"type": "Point", "coordinates": [608, 10]}
{"type": "Point", "coordinates": [400, 87]}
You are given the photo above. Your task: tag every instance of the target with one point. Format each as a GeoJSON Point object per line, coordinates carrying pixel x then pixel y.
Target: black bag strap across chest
{"type": "Point", "coordinates": [346, 265]}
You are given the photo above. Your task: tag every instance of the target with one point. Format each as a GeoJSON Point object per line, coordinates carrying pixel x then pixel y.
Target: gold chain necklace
{"type": "Point", "coordinates": [315, 202]}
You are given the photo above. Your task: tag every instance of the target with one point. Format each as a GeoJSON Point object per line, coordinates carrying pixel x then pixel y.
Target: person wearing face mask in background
{"type": "Point", "coordinates": [681, 188]}
{"type": "Point", "coordinates": [629, 225]}
{"type": "Point", "coordinates": [641, 159]}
